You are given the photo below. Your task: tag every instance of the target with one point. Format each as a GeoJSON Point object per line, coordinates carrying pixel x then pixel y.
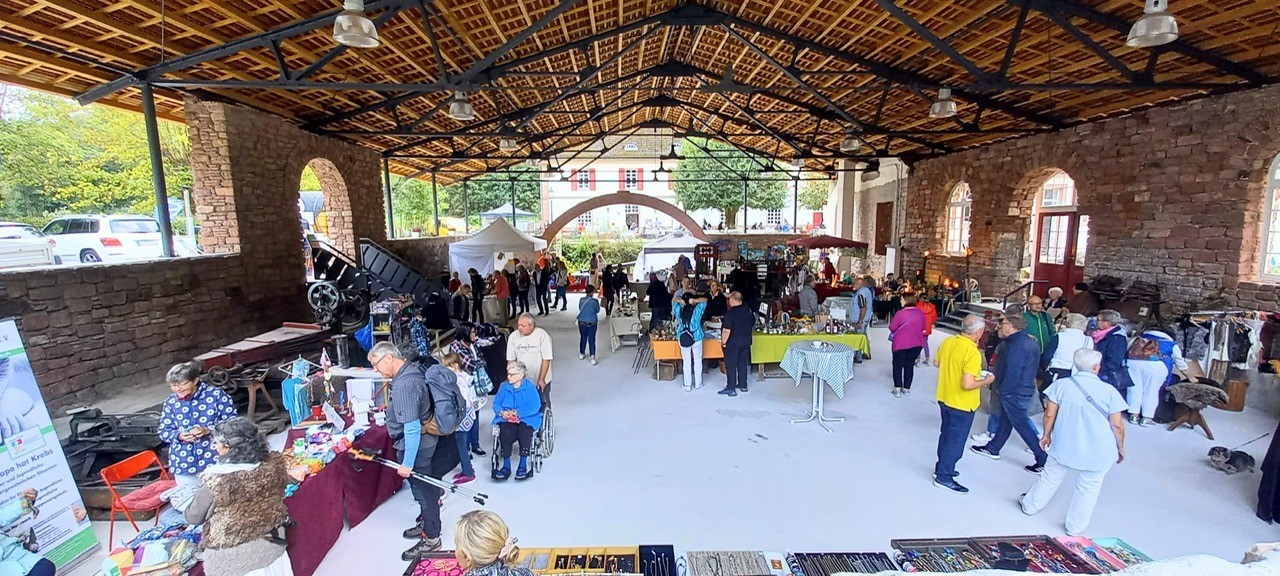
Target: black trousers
{"type": "Point", "coordinates": [426, 495]}
{"type": "Point", "coordinates": [522, 300]}
{"type": "Point", "coordinates": [608, 301]}
{"type": "Point", "coordinates": [737, 365]}
{"type": "Point", "coordinates": [477, 309]}
{"type": "Point", "coordinates": [509, 433]}
{"type": "Point", "coordinates": [544, 300]}
{"type": "Point", "coordinates": [904, 366]}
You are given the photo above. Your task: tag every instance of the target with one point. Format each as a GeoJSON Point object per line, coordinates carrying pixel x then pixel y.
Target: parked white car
{"type": "Point", "coordinates": [98, 238]}
{"type": "Point", "coordinates": [21, 245]}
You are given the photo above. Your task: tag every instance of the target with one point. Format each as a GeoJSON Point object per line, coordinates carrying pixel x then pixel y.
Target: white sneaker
{"type": "Point", "coordinates": [581, 356]}
{"type": "Point", "coordinates": [687, 388]}
{"type": "Point", "coordinates": [1147, 422]}
{"type": "Point", "coordinates": [906, 391]}
{"type": "Point", "coordinates": [897, 392]}
{"type": "Point", "coordinates": [697, 386]}
{"type": "Point", "coordinates": [593, 360]}
{"type": "Point", "coordinates": [981, 438]}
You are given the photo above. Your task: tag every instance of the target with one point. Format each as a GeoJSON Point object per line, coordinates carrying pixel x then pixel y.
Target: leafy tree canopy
{"type": "Point", "coordinates": [765, 190]}
{"type": "Point", "coordinates": [814, 194]}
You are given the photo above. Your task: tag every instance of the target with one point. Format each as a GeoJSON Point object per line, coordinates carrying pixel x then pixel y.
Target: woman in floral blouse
{"type": "Point", "coordinates": [187, 421]}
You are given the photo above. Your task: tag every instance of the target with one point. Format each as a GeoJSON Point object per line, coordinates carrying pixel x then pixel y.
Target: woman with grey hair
{"type": "Point", "coordinates": [517, 412]}
{"type": "Point", "coordinates": [187, 420]}
{"type": "Point", "coordinates": [241, 504]}
{"type": "Point", "coordinates": [1062, 348]}
{"type": "Point", "coordinates": [1110, 339]}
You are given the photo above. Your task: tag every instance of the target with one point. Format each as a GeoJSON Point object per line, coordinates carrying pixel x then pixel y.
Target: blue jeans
{"type": "Point", "coordinates": [562, 298]}
{"type": "Point", "coordinates": [951, 440]}
{"type": "Point", "coordinates": [1013, 416]}
{"type": "Point", "coordinates": [464, 439]}
{"type": "Point", "coordinates": [993, 421]}
{"type": "Point", "coordinates": [587, 337]}
{"type": "Point", "coordinates": [473, 436]}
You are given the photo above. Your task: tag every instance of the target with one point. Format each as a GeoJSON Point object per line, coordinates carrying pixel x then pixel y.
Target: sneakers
{"type": "Point", "coordinates": [1134, 419]}
{"type": "Point", "coordinates": [463, 479]}
{"type": "Point", "coordinates": [697, 386]}
{"type": "Point", "coordinates": [951, 485]}
{"type": "Point", "coordinates": [582, 356]}
{"type": "Point", "coordinates": [502, 473]}
{"type": "Point", "coordinates": [1147, 422]}
{"type": "Point", "coordinates": [424, 546]}
{"type": "Point", "coordinates": [687, 388]}
{"type": "Point", "coordinates": [728, 392]}
{"type": "Point", "coordinates": [1034, 468]}
{"type": "Point", "coordinates": [593, 360]}
{"type": "Point", "coordinates": [981, 438]}
{"type": "Point", "coordinates": [743, 389]}
{"type": "Point", "coordinates": [984, 451]}
{"type": "Point", "coordinates": [478, 451]}
{"type": "Point", "coordinates": [897, 392]}
{"type": "Point", "coordinates": [524, 472]}
{"type": "Point", "coordinates": [414, 533]}
{"type": "Point", "coordinates": [906, 391]}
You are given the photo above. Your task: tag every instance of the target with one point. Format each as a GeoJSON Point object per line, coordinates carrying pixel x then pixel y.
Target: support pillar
{"type": "Point", "coordinates": [466, 207]}
{"type": "Point", "coordinates": [795, 201]}
{"type": "Point", "coordinates": [745, 185]}
{"type": "Point", "coordinates": [157, 170]}
{"type": "Point", "coordinates": [435, 200]}
{"type": "Point", "coordinates": [386, 187]}
{"type": "Point", "coordinates": [513, 199]}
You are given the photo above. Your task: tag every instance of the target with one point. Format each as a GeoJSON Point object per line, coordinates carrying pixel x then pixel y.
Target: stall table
{"type": "Point", "coordinates": [765, 348]}
{"type": "Point", "coordinates": [828, 290]}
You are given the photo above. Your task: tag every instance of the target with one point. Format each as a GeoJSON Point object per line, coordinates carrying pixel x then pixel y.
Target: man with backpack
{"type": "Point", "coordinates": [426, 406]}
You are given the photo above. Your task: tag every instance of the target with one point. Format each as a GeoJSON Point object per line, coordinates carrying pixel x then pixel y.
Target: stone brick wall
{"type": "Point", "coordinates": [1174, 196]}
{"type": "Point", "coordinates": [89, 329]}
{"type": "Point", "coordinates": [429, 255]}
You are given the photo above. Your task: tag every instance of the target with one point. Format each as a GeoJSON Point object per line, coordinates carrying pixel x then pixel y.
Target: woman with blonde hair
{"type": "Point", "coordinates": [484, 546]}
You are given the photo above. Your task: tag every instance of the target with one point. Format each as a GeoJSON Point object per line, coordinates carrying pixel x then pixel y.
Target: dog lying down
{"type": "Point", "coordinates": [1231, 461]}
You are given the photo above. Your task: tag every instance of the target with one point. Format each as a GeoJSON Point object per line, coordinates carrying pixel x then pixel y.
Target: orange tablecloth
{"type": "Point", "coordinates": [670, 349]}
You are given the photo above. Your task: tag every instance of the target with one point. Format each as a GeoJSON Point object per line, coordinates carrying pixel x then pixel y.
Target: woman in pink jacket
{"type": "Point", "coordinates": [907, 333]}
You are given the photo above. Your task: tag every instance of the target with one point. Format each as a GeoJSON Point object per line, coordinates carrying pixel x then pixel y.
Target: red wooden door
{"type": "Point", "coordinates": [1060, 250]}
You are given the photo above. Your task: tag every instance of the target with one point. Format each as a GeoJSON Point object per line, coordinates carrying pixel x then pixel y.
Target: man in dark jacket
{"type": "Point", "coordinates": [1017, 364]}
{"type": "Point", "coordinates": [543, 280]}
{"type": "Point", "coordinates": [477, 296]}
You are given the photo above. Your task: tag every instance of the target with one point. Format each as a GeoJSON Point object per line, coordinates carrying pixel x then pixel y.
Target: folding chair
{"type": "Point", "coordinates": [142, 499]}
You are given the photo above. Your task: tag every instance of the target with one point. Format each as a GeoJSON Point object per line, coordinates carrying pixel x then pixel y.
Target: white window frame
{"type": "Point", "coordinates": [631, 209]}
{"type": "Point", "coordinates": [959, 217]}
{"type": "Point", "coordinates": [584, 179]}
{"type": "Point", "coordinates": [630, 179]}
{"type": "Point", "coordinates": [1060, 184]}
{"type": "Point", "coordinates": [1269, 247]}
{"type": "Point", "coordinates": [773, 217]}
{"type": "Point", "coordinates": [584, 219]}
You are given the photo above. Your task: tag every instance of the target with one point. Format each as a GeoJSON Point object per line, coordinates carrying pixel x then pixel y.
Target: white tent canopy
{"type": "Point", "coordinates": [480, 250]}
{"type": "Point", "coordinates": [663, 253]}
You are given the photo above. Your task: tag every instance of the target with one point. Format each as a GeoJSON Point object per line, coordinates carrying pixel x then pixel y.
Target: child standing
{"type": "Point", "coordinates": [454, 362]}
{"type": "Point", "coordinates": [484, 546]}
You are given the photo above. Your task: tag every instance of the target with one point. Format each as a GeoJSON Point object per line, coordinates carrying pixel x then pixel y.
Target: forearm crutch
{"type": "Point", "coordinates": [373, 456]}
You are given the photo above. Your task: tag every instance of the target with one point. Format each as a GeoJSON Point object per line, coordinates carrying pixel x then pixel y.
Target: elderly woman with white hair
{"type": "Point", "coordinates": [187, 419]}
{"type": "Point", "coordinates": [1064, 345]}
{"type": "Point", "coordinates": [517, 412]}
{"type": "Point", "coordinates": [1056, 299]}
{"type": "Point", "coordinates": [1083, 433]}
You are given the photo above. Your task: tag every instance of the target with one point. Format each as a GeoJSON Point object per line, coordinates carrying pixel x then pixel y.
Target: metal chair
{"type": "Point", "coordinates": [146, 498]}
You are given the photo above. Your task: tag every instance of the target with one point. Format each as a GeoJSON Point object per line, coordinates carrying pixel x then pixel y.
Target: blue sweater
{"type": "Point", "coordinates": [524, 400]}
{"type": "Point", "coordinates": [1017, 363]}
{"type": "Point", "coordinates": [589, 310]}
{"type": "Point", "coordinates": [694, 325]}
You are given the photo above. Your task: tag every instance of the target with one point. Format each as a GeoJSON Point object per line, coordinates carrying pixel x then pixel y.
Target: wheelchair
{"type": "Point", "coordinates": [543, 442]}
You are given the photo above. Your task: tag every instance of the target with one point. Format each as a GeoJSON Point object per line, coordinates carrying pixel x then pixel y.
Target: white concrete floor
{"type": "Point", "coordinates": [642, 462]}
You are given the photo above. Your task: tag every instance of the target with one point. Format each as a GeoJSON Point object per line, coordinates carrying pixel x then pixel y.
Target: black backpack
{"type": "Point", "coordinates": [448, 407]}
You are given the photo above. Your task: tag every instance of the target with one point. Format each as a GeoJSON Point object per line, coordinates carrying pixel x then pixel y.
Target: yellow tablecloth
{"type": "Point", "coordinates": [770, 348]}
{"type": "Point", "coordinates": [765, 348]}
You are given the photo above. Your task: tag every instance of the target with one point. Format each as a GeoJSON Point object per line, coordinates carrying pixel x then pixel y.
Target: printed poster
{"type": "Point", "coordinates": [41, 513]}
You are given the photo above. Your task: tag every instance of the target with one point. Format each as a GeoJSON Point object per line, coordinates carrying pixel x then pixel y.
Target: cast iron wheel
{"type": "Point", "coordinates": [324, 295]}
{"type": "Point", "coordinates": [220, 378]}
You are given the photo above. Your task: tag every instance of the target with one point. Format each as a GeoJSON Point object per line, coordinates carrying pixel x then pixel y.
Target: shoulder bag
{"type": "Point", "coordinates": [1095, 404]}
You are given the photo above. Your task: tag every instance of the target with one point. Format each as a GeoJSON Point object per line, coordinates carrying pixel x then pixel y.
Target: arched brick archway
{"type": "Point", "coordinates": [624, 198]}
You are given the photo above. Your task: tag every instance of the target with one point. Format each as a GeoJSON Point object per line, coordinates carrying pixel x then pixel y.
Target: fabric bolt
{"type": "Point", "coordinates": [531, 350]}
{"type": "Point", "coordinates": [958, 355]}
{"type": "Point", "coordinates": [1082, 438]}
{"type": "Point", "coordinates": [511, 432]}
{"type": "Point", "coordinates": [951, 441]}
{"type": "Point", "coordinates": [206, 407]}
{"type": "Point", "coordinates": [1083, 499]}
{"type": "Point", "coordinates": [737, 365]}
{"type": "Point", "coordinates": [587, 337]}
{"type": "Point", "coordinates": [908, 329]}
{"type": "Point", "coordinates": [904, 366]}
{"type": "Point", "coordinates": [692, 358]}
{"type": "Point", "coordinates": [1149, 377]}
{"type": "Point", "coordinates": [832, 364]}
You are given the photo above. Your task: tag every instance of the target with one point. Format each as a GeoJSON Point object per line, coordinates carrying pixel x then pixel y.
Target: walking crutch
{"type": "Point", "coordinates": [373, 456]}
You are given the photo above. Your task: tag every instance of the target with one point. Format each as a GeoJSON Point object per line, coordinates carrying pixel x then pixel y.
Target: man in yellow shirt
{"type": "Point", "coordinates": [960, 377]}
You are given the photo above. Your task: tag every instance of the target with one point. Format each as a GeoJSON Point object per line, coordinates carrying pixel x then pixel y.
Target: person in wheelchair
{"type": "Point", "coordinates": [518, 415]}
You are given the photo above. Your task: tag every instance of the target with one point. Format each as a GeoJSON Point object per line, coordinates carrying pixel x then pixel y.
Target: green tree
{"type": "Point", "coordinates": [765, 190]}
{"type": "Point", "coordinates": [814, 194]}
{"type": "Point", "coordinates": [310, 181]}
{"type": "Point", "coordinates": [491, 190]}
{"type": "Point", "coordinates": [413, 205]}
{"type": "Point", "coordinates": [58, 157]}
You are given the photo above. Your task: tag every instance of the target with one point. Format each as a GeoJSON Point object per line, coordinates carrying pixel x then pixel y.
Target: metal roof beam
{"type": "Point", "coordinates": [942, 45]}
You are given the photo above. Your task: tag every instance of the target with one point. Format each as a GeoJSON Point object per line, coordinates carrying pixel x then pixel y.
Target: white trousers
{"type": "Point", "coordinates": [1085, 497]}
{"type": "Point", "coordinates": [692, 357]}
{"type": "Point", "coordinates": [1148, 377]}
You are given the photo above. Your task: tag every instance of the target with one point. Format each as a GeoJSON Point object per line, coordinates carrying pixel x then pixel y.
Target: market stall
{"type": "Point", "coordinates": [765, 348]}
{"type": "Point", "coordinates": [481, 249]}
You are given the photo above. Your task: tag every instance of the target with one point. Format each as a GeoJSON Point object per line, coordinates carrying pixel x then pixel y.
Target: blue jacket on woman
{"type": "Point", "coordinates": [695, 323]}
{"type": "Point", "coordinates": [1115, 359]}
{"type": "Point", "coordinates": [524, 400]}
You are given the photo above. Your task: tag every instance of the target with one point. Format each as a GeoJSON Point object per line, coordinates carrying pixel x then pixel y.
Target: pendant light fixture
{"type": "Point", "coordinates": [797, 163]}
{"type": "Point", "coordinates": [508, 145]}
{"type": "Point", "coordinates": [850, 144]}
{"type": "Point", "coordinates": [871, 171]}
{"type": "Point", "coordinates": [352, 28]}
{"type": "Point", "coordinates": [1156, 27]}
{"type": "Point", "coordinates": [460, 109]}
{"type": "Point", "coordinates": [944, 106]}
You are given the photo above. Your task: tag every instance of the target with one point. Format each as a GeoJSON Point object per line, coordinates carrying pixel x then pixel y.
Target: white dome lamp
{"type": "Point", "coordinates": [1156, 27]}
{"type": "Point", "coordinates": [850, 144]}
{"type": "Point", "coordinates": [352, 28]}
{"type": "Point", "coordinates": [460, 109]}
{"type": "Point", "coordinates": [944, 106]}
{"type": "Point", "coordinates": [508, 145]}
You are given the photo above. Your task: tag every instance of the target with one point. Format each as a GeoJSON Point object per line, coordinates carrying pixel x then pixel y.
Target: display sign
{"type": "Point", "coordinates": [40, 507]}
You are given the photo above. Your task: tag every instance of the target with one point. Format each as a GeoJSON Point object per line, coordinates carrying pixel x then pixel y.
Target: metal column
{"type": "Point", "coordinates": [157, 170]}
{"type": "Point", "coordinates": [744, 205]}
{"type": "Point", "coordinates": [386, 187]}
{"type": "Point", "coordinates": [513, 200]}
{"type": "Point", "coordinates": [795, 201]}
{"type": "Point", "coordinates": [466, 207]}
{"type": "Point", "coordinates": [435, 201]}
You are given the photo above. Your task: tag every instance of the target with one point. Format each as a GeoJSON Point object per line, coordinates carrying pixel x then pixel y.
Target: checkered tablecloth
{"type": "Point", "coordinates": [832, 363]}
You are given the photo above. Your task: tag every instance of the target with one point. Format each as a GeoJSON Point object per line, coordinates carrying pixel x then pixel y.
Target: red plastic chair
{"type": "Point", "coordinates": [142, 499]}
